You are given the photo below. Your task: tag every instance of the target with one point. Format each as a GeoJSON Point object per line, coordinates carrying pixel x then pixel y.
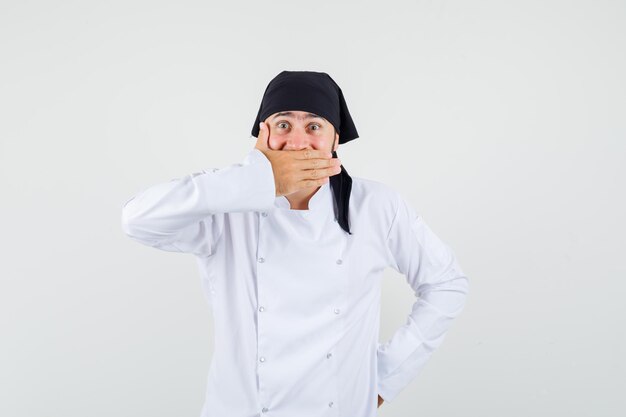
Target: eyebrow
{"type": "Point", "coordinates": [306, 116]}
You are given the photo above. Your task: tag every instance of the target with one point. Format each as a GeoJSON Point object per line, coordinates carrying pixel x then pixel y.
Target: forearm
{"type": "Point", "coordinates": [162, 211]}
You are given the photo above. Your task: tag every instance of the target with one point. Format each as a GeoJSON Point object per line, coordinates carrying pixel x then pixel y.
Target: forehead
{"type": "Point", "coordinates": [297, 114]}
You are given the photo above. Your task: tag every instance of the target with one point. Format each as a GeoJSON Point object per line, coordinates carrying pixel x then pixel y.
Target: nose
{"type": "Point", "coordinates": [297, 140]}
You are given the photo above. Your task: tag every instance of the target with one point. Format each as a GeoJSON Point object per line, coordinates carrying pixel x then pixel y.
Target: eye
{"type": "Point", "coordinates": [285, 125]}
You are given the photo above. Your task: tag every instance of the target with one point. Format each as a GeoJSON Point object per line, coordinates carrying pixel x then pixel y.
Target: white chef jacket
{"type": "Point", "coordinates": [295, 299]}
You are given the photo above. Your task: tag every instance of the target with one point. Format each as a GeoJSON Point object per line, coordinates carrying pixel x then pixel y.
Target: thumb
{"type": "Point", "coordinates": [262, 139]}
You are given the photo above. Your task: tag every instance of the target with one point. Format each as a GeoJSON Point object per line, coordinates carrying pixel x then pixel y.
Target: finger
{"type": "Point", "coordinates": [312, 182]}
{"type": "Point", "coordinates": [315, 175]}
{"type": "Point", "coordinates": [262, 138]}
{"type": "Point", "coordinates": [312, 154]}
{"type": "Point", "coordinates": [318, 163]}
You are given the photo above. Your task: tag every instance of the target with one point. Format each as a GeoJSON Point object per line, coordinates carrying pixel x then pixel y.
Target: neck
{"type": "Point", "coordinates": [300, 199]}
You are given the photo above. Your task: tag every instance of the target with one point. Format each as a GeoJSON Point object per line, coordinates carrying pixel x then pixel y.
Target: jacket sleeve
{"type": "Point", "coordinates": [180, 215]}
{"type": "Point", "coordinates": [441, 288]}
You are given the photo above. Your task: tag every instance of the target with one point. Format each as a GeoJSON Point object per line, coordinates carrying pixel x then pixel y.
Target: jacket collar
{"type": "Point", "coordinates": [320, 200]}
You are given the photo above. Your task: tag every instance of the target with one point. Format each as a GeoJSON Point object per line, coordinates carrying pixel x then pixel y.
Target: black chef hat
{"type": "Point", "coordinates": [314, 92]}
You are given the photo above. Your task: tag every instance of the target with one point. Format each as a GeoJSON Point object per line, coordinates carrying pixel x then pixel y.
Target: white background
{"type": "Point", "coordinates": [502, 122]}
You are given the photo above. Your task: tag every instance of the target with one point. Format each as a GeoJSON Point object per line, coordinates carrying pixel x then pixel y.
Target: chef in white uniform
{"type": "Point", "coordinates": [291, 251]}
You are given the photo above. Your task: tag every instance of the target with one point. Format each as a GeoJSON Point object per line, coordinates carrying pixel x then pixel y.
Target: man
{"type": "Point", "coordinates": [291, 251]}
